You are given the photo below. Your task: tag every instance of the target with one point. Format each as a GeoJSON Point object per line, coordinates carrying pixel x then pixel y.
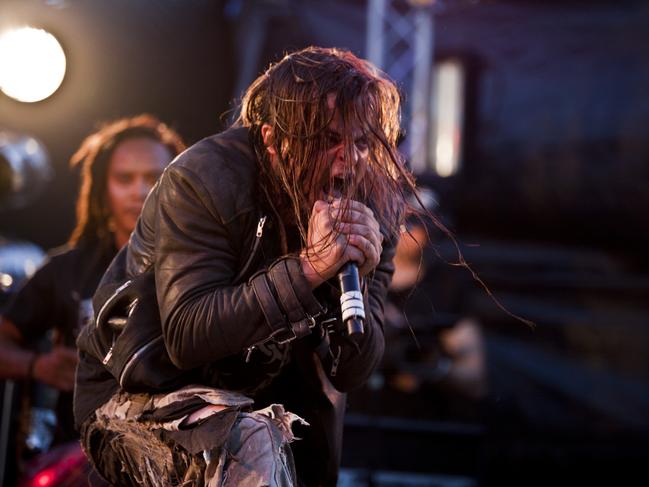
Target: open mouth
{"type": "Point", "coordinates": [335, 187]}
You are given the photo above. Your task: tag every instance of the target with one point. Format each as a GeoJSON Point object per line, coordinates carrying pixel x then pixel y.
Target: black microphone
{"type": "Point", "coordinates": [351, 299]}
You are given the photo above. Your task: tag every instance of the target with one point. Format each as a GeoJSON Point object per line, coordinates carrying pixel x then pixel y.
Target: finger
{"type": "Point", "coordinates": [354, 254]}
{"type": "Point", "coordinates": [70, 361]}
{"type": "Point", "coordinates": [354, 216]}
{"type": "Point", "coordinates": [368, 266]}
{"type": "Point", "coordinates": [66, 352]}
{"type": "Point", "coordinates": [323, 237]}
{"type": "Point", "coordinates": [70, 379]}
{"type": "Point", "coordinates": [66, 384]}
{"type": "Point", "coordinates": [370, 252]}
{"type": "Point", "coordinates": [354, 209]}
{"type": "Point", "coordinates": [66, 358]}
{"type": "Point", "coordinates": [320, 206]}
{"type": "Point", "coordinates": [356, 228]}
{"type": "Point", "coordinates": [352, 205]}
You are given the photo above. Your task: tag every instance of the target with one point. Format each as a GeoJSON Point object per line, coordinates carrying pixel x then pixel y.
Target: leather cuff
{"type": "Point", "coordinates": [300, 313]}
{"type": "Point", "coordinates": [302, 287]}
{"type": "Point", "coordinates": [274, 316]}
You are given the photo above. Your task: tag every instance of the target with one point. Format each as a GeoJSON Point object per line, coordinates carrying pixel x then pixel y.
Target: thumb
{"type": "Point", "coordinates": [67, 353]}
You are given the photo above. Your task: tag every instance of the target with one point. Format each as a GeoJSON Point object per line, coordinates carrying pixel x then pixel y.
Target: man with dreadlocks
{"type": "Point", "coordinates": [245, 234]}
{"type": "Point", "coordinates": [119, 163]}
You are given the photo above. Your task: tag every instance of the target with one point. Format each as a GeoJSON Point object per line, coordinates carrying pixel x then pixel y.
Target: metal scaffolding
{"type": "Point", "coordinates": [400, 41]}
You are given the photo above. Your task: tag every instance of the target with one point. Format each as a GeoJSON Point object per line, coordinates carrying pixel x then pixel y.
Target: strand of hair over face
{"type": "Point", "coordinates": [292, 98]}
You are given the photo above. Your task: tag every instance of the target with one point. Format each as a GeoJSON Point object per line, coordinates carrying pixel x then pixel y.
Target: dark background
{"type": "Point", "coordinates": [554, 189]}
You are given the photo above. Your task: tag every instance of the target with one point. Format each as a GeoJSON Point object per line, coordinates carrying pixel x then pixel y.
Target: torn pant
{"type": "Point", "coordinates": [196, 436]}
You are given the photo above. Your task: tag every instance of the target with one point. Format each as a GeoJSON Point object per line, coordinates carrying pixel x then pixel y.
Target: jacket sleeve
{"type": "Point", "coordinates": [204, 315]}
{"type": "Point", "coordinates": [350, 362]}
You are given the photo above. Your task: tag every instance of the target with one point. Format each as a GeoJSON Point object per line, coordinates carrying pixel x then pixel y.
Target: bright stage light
{"type": "Point", "coordinates": [32, 64]}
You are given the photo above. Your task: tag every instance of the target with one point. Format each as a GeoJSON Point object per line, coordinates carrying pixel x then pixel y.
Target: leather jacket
{"type": "Point", "coordinates": [232, 305]}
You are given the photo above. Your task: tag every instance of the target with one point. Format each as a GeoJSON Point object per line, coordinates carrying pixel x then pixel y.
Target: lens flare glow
{"type": "Point", "coordinates": [32, 64]}
{"type": "Point", "coordinates": [447, 111]}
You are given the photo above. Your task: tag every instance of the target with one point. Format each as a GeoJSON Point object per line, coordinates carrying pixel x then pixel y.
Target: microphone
{"type": "Point", "coordinates": [351, 299]}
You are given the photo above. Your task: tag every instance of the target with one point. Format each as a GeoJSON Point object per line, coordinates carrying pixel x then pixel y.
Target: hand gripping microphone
{"type": "Point", "coordinates": [351, 299]}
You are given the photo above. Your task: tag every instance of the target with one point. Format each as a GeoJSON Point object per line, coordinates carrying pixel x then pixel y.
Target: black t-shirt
{"type": "Point", "coordinates": [58, 298]}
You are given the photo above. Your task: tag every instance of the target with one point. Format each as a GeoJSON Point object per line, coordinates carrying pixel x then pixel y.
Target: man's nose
{"type": "Point", "coordinates": [142, 188]}
{"type": "Point", "coordinates": [354, 152]}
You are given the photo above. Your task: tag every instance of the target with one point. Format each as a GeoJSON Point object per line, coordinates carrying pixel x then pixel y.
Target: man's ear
{"type": "Point", "coordinates": [267, 136]}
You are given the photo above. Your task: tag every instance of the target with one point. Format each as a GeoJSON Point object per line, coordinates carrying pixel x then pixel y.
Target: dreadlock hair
{"type": "Point", "coordinates": [291, 97]}
{"type": "Point", "coordinates": [94, 157]}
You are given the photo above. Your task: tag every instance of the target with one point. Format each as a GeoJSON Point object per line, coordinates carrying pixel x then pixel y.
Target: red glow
{"type": "Point", "coordinates": [44, 479]}
{"type": "Point", "coordinates": [62, 466]}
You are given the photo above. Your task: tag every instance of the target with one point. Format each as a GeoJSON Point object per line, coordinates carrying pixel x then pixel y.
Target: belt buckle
{"type": "Point", "coordinates": [293, 334]}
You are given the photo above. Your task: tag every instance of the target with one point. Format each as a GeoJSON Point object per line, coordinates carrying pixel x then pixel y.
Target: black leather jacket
{"type": "Point", "coordinates": [231, 304]}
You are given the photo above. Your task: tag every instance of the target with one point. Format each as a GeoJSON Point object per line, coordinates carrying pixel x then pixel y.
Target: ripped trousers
{"type": "Point", "coordinates": [195, 436]}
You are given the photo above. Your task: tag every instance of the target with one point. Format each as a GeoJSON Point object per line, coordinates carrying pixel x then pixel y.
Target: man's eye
{"type": "Point", "coordinates": [361, 144]}
{"type": "Point", "coordinates": [123, 178]}
{"type": "Point", "coordinates": [333, 140]}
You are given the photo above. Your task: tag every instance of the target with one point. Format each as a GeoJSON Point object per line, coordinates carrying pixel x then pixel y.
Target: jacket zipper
{"type": "Point", "coordinates": [255, 247]}
{"type": "Point", "coordinates": [134, 357]}
{"type": "Point", "coordinates": [260, 228]}
{"type": "Point", "coordinates": [109, 301]}
{"type": "Point", "coordinates": [123, 321]}
{"type": "Point", "coordinates": [143, 348]}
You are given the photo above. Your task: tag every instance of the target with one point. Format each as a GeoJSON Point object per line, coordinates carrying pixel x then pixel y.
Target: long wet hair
{"type": "Point", "coordinates": [94, 155]}
{"type": "Point", "coordinates": [291, 97]}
